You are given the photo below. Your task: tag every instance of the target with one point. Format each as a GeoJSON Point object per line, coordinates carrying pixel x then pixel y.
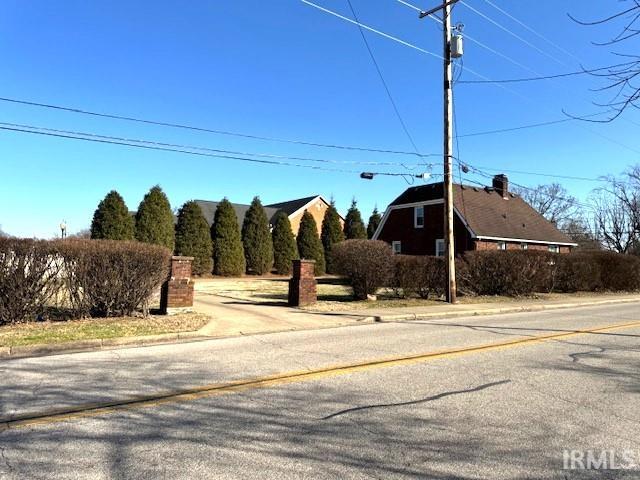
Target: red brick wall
{"type": "Point", "coordinates": [177, 292]}
{"type": "Point", "coordinates": [422, 241]}
{"type": "Point", "coordinates": [302, 286]}
{"type": "Point", "coordinates": [493, 245]}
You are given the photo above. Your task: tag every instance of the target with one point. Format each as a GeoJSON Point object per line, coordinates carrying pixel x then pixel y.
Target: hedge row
{"type": "Point", "coordinates": [370, 265]}
{"type": "Point", "coordinates": [98, 278]}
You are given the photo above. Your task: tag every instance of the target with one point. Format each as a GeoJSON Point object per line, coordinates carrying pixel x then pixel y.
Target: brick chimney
{"type": "Point", "coordinates": [501, 185]}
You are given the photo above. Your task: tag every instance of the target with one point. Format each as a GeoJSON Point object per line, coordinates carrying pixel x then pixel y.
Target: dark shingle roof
{"type": "Point", "coordinates": [490, 215]}
{"type": "Point", "coordinates": [209, 210]}
{"type": "Point", "coordinates": [291, 206]}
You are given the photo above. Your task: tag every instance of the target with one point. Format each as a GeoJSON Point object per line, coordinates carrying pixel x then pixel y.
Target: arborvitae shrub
{"type": "Point", "coordinates": [285, 249]}
{"type": "Point", "coordinates": [368, 264]}
{"type": "Point", "coordinates": [154, 220]}
{"type": "Point", "coordinates": [193, 238]}
{"type": "Point", "coordinates": [111, 220]}
{"type": "Point", "coordinates": [331, 233]}
{"type": "Point", "coordinates": [353, 225]}
{"type": "Point", "coordinates": [256, 239]}
{"type": "Point", "coordinates": [228, 254]}
{"type": "Point", "coordinates": [374, 221]}
{"type": "Point", "coordinates": [309, 245]}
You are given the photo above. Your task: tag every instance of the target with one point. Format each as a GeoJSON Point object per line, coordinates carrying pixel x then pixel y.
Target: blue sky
{"type": "Point", "coordinates": [284, 69]}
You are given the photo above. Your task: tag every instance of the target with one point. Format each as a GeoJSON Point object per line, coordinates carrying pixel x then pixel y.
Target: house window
{"type": "Point", "coordinates": [440, 248]}
{"type": "Point", "coordinates": [502, 245]}
{"type": "Point", "coordinates": [524, 246]}
{"type": "Point", "coordinates": [396, 246]}
{"type": "Point", "coordinates": [418, 216]}
{"type": "Point", "coordinates": [554, 248]}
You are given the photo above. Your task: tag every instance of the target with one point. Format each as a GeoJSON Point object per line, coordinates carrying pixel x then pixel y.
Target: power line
{"type": "Point", "coordinates": [548, 77]}
{"type": "Point", "coordinates": [208, 130]}
{"type": "Point", "coordinates": [384, 83]}
{"type": "Point", "coordinates": [535, 32]}
{"type": "Point", "coordinates": [194, 147]}
{"type": "Point", "coordinates": [515, 35]}
{"type": "Point", "coordinates": [88, 138]}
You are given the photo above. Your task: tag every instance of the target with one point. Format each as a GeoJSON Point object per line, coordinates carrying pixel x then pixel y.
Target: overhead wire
{"type": "Point", "coordinates": [381, 76]}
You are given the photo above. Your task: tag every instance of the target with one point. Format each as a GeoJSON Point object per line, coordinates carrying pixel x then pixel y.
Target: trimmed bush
{"type": "Point", "coordinates": [104, 278]}
{"type": "Point", "coordinates": [618, 272]}
{"type": "Point", "coordinates": [285, 249]}
{"type": "Point", "coordinates": [374, 221]}
{"type": "Point", "coordinates": [111, 220]}
{"type": "Point", "coordinates": [511, 273]}
{"type": "Point", "coordinates": [368, 264]}
{"type": "Point", "coordinates": [256, 239]}
{"type": "Point", "coordinates": [193, 238]}
{"type": "Point", "coordinates": [154, 220]}
{"type": "Point", "coordinates": [353, 224]}
{"type": "Point", "coordinates": [577, 272]}
{"type": "Point", "coordinates": [331, 233]}
{"type": "Point", "coordinates": [228, 253]}
{"type": "Point", "coordinates": [418, 275]}
{"type": "Point", "coordinates": [28, 278]}
{"type": "Point", "coordinates": [309, 245]}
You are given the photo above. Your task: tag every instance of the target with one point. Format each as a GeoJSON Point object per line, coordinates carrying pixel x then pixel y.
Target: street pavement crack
{"type": "Point", "coordinates": [416, 402]}
{"type": "Point", "coordinates": [575, 357]}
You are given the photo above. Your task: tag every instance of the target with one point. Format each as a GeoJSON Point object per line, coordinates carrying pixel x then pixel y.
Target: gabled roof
{"type": "Point", "coordinates": [487, 214]}
{"type": "Point", "coordinates": [292, 206]}
{"type": "Point", "coordinates": [209, 210]}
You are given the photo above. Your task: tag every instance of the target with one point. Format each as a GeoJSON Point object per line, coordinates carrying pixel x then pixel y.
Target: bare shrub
{"type": "Point", "coordinates": [424, 276]}
{"type": "Point", "coordinates": [368, 264]}
{"type": "Point", "coordinates": [28, 278]}
{"type": "Point", "coordinates": [511, 273]}
{"type": "Point", "coordinates": [107, 278]}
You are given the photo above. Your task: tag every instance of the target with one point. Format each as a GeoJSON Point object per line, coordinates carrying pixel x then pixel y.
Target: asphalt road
{"type": "Point", "coordinates": [481, 397]}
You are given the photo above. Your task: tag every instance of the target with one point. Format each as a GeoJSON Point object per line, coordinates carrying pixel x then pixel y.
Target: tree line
{"type": "Point", "coordinates": [224, 248]}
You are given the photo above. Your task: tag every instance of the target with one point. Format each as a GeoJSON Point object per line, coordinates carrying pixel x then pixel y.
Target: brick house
{"type": "Point", "coordinates": [316, 205]}
{"type": "Point", "coordinates": [489, 218]}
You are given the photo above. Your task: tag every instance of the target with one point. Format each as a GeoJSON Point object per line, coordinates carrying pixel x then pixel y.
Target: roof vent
{"type": "Point", "coordinates": [488, 189]}
{"type": "Point", "coordinates": [476, 189]}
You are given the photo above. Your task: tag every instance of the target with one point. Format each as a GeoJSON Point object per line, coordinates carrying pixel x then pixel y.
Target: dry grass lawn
{"type": "Point", "coordinates": [35, 333]}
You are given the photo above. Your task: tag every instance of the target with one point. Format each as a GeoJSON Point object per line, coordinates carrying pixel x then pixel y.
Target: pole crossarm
{"type": "Point", "coordinates": [435, 9]}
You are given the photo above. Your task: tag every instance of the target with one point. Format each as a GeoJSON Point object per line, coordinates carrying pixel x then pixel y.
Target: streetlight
{"type": "Point", "coordinates": [63, 229]}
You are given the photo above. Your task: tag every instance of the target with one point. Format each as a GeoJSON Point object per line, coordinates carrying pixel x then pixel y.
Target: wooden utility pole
{"type": "Point", "coordinates": [448, 149]}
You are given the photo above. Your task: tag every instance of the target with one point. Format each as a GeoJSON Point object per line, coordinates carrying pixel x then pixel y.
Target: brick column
{"type": "Point", "coordinates": [302, 286]}
{"type": "Point", "coordinates": [177, 292]}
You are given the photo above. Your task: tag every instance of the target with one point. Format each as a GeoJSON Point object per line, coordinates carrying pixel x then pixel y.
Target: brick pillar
{"type": "Point", "coordinates": [177, 292]}
{"type": "Point", "coordinates": [302, 286]}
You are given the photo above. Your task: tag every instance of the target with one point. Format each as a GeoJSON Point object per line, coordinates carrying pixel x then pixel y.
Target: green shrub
{"type": "Point", "coordinates": [285, 249]}
{"type": "Point", "coordinates": [105, 278]}
{"type": "Point", "coordinates": [353, 224]}
{"type": "Point", "coordinates": [331, 233]}
{"type": "Point", "coordinates": [29, 272]}
{"type": "Point", "coordinates": [511, 273]}
{"type": "Point", "coordinates": [193, 238]}
{"type": "Point", "coordinates": [154, 220]}
{"type": "Point", "coordinates": [368, 264]}
{"type": "Point", "coordinates": [374, 221]}
{"type": "Point", "coordinates": [228, 253]}
{"type": "Point", "coordinates": [424, 276]}
{"type": "Point", "coordinates": [256, 239]}
{"type": "Point", "coordinates": [309, 245]}
{"type": "Point", "coordinates": [111, 220]}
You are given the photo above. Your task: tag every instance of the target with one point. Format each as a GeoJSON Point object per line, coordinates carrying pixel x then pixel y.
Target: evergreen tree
{"type": "Point", "coordinates": [374, 221]}
{"type": "Point", "coordinates": [154, 219]}
{"type": "Point", "coordinates": [353, 224]}
{"type": "Point", "coordinates": [193, 238]}
{"type": "Point", "coordinates": [309, 244]}
{"type": "Point", "coordinates": [331, 232]}
{"type": "Point", "coordinates": [285, 249]}
{"type": "Point", "coordinates": [256, 239]}
{"type": "Point", "coordinates": [111, 220]}
{"type": "Point", "coordinates": [228, 254]}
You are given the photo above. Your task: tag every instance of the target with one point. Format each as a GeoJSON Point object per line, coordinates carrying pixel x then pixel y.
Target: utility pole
{"type": "Point", "coordinates": [448, 149]}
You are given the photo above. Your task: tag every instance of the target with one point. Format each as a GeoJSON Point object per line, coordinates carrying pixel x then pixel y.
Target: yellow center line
{"type": "Point", "coordinates": [95, 409]}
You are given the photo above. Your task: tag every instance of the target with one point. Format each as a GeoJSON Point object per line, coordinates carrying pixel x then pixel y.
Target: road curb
{"type": "Point", "coordinates": [30, 351]}
{"type": "Point", "coordinates": [494, 311]}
